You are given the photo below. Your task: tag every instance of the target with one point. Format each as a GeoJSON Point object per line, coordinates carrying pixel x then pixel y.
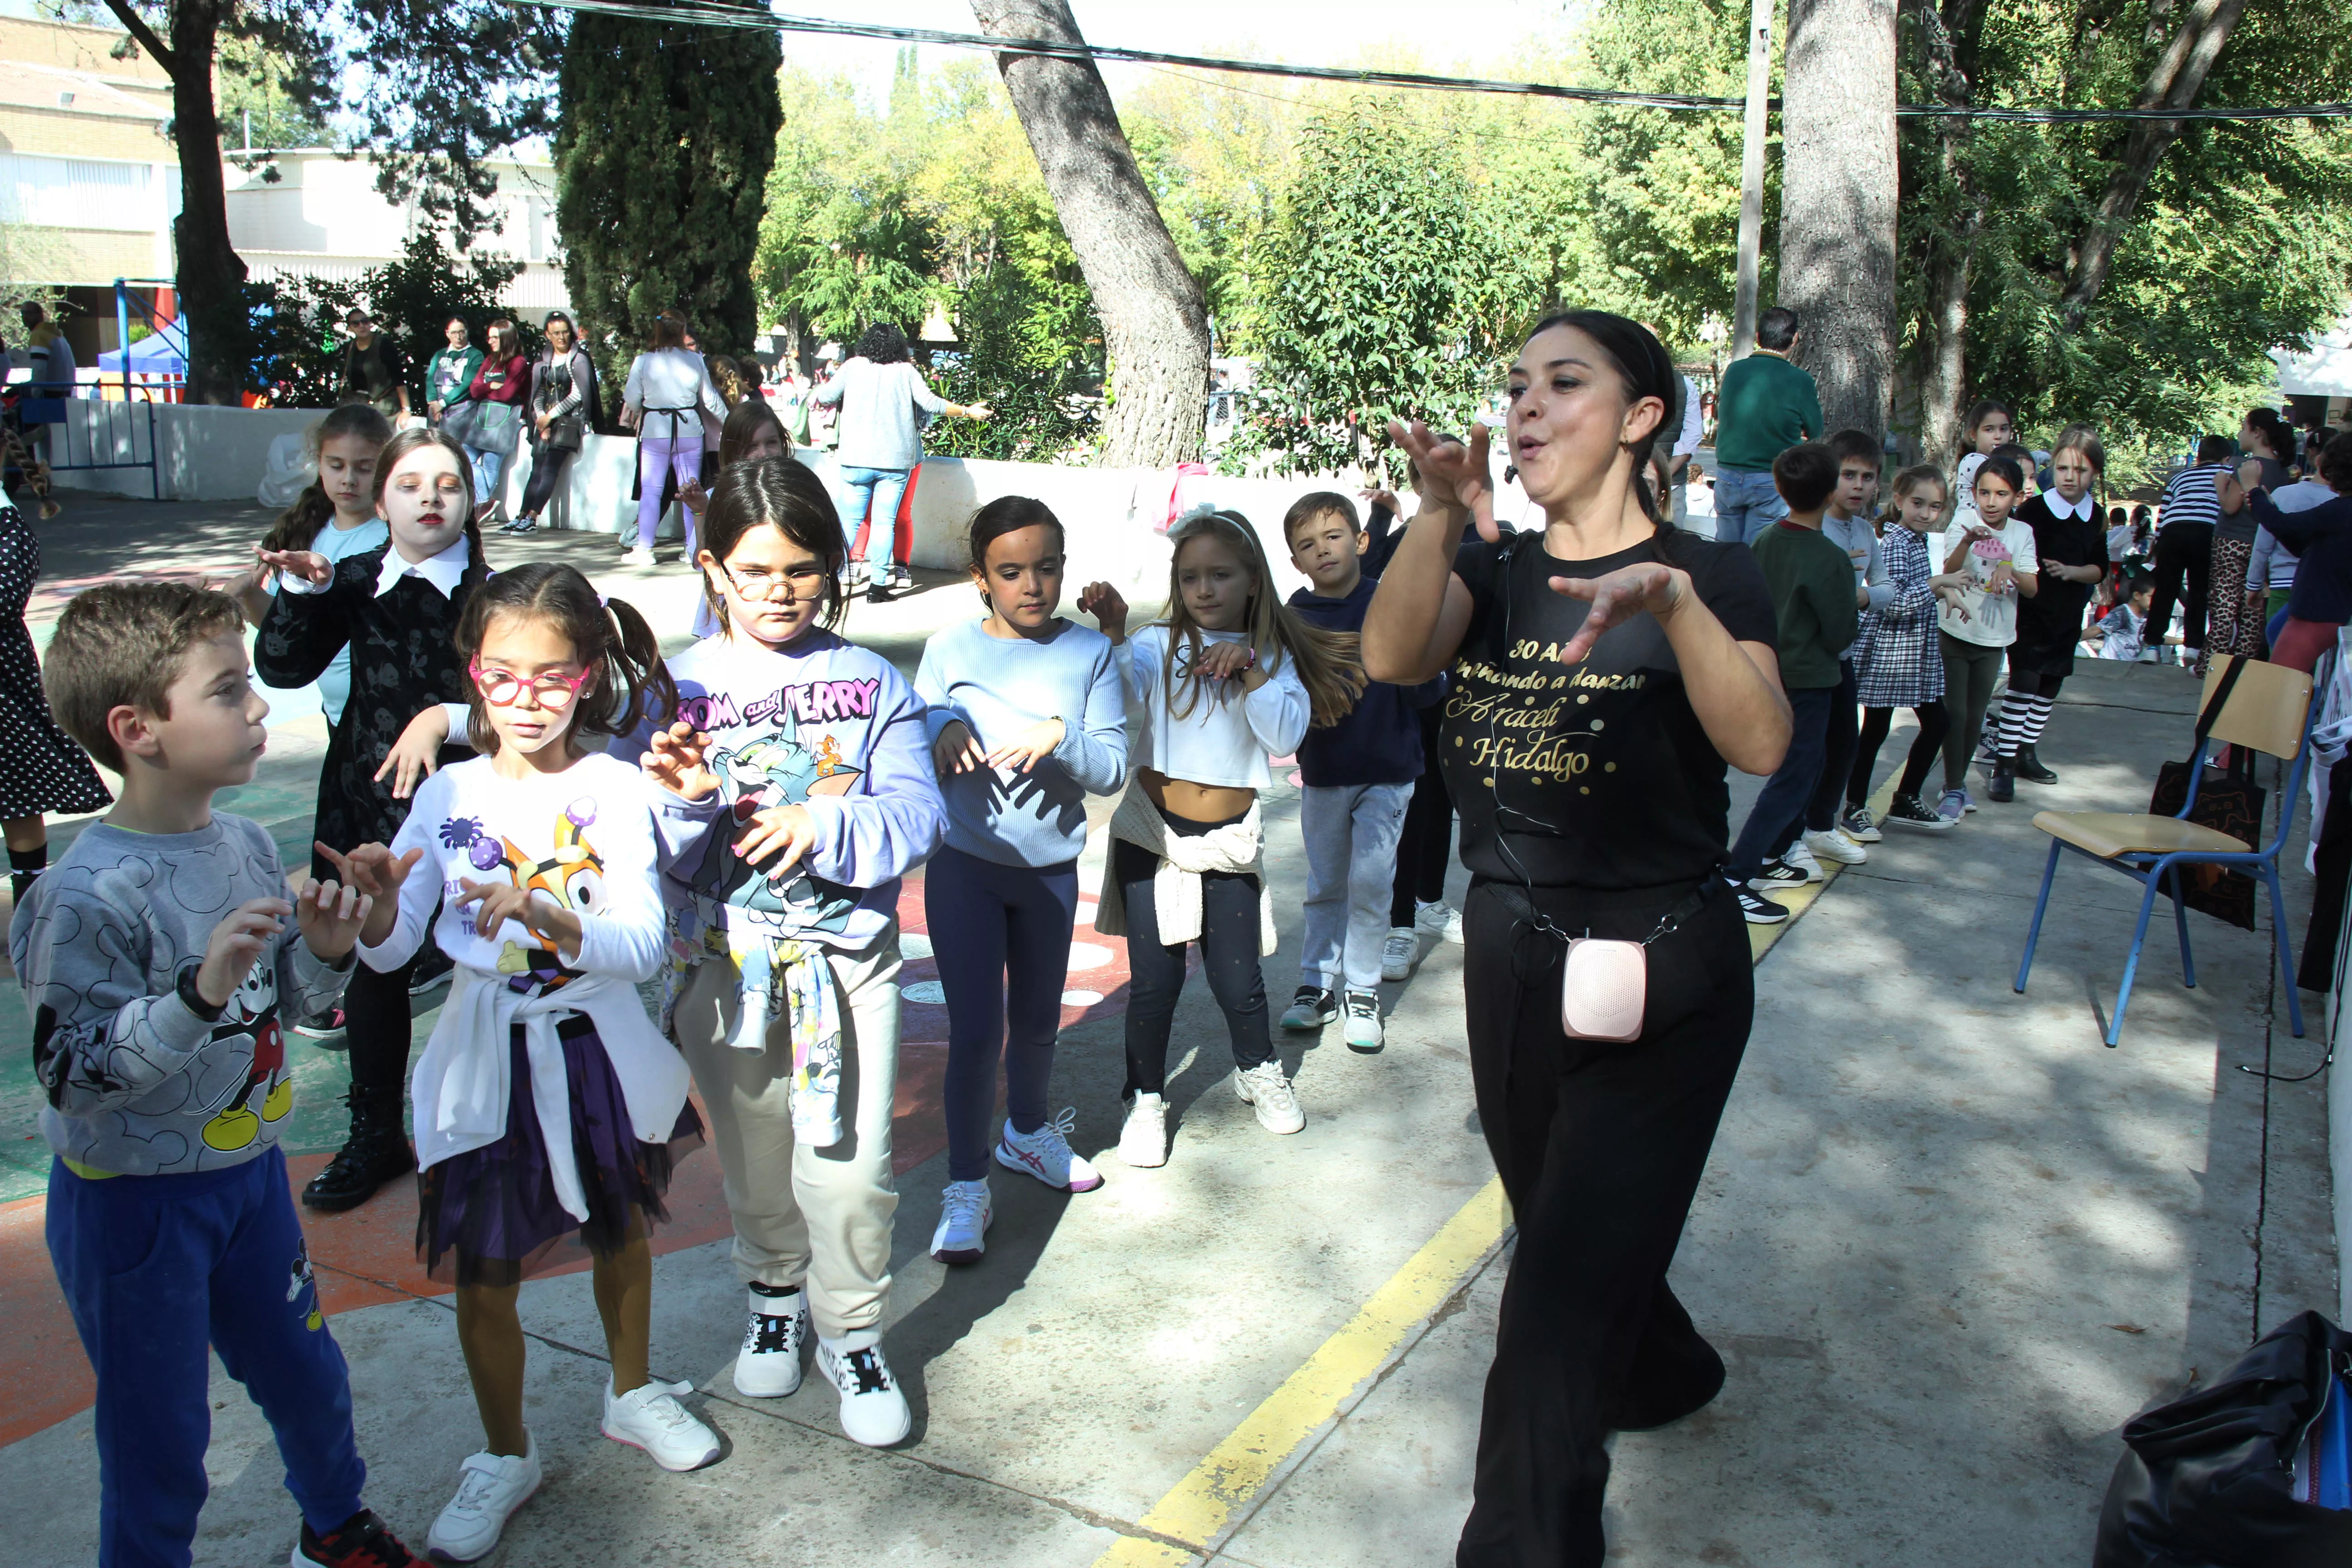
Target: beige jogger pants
{"type": "Point", "coordinates": [818, 1216]}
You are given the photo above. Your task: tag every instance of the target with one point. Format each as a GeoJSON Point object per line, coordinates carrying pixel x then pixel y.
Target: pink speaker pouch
{"type": "Point", "coordinates": [1604, 987]}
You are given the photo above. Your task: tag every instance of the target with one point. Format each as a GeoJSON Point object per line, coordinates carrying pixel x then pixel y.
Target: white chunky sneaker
{"type": "Point", "coordinates": [1833, 845]}
{"type": "Point", "coordinates": [1143, 1137]}
{"type": "Point", "coordinates": [1047, 1154]}
{"type": "Point", "coordinates": [1799, 856]}
{"type": "Point", "coordinates": [651, 1418]}
{"type": "Point", "coordinates": [490, 1487]}
{"type": "Point", "coordinates": [1363, 1031]}
{"type": "Point", "coordinates": [1397, 954]}
{"type": "Point", "coordinates": [1264, 1088]}
{"type": "Point", "coordinates": [768, 1365]}
{"type": "Point", "coordinates": [1440, 919]}
{"type": "Point", "coordinates": [873, 1411]}
{"type": "Point", "coordinates": [964, 1217]}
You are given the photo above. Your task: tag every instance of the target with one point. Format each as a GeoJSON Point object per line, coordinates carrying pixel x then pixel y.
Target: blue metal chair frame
{"type": "Point", "coordinates": [2150, 869]}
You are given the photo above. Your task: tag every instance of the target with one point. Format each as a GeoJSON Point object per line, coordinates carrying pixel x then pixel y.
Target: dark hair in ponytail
{"type": "Point", "coordinates": [630, 681]}
{"type": "Point", "coordinates": [1646, 369]}
{"type": "Point", "coordinates": [299, 524]}
{"type": "Point", "coordinates": [396, 452]}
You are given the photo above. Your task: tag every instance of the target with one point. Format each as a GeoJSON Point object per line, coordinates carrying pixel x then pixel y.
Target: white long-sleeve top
{"type": "Point", "coordinates": [584, 840]}
{"type": "Point", "coordinates": [1227, 736]}
{"type": "Point", "coordinates": [666, 385]}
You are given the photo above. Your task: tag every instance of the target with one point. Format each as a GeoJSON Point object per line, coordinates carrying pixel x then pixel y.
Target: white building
{"type": "Point", "coordinates": [322, 217]}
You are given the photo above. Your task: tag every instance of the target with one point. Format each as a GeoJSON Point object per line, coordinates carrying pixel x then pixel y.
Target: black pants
{"type": "Point", "coordinates": [1229, 928]}
{"type": "Point", "coordinates": [548, 467]}
{"type": "Point", "coordinates": [1838, 743]}
{"type": "Point", "coordinates": [375, 1023]}
{"type": "Point", "coordinates": [1425, 852]}
{"type": "Point", "coordinates": [1934, 720]}
{"type": "Point", "coordinates": [2184, 556]}
{"type": "Point", "coordinates": [1601, 1148]}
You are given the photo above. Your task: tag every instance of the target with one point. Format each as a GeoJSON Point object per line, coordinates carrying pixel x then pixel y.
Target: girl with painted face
{"type": "Point", "coordinates": [1026, 719]}
{"type": "Point", "coordinates": [395, 610]}
{"type": "Point", "coordinates": [797, 791]}
{"type": "Point", "coordinates": [549, 1108]}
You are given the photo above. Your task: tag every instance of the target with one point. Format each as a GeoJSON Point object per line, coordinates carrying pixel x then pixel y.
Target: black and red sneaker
{"type": "Point", "coordinates": [360, 1541]}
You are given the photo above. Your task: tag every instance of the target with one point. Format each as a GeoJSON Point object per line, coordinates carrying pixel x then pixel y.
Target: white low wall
{"type": "Point", "coordinates": [205, 453]}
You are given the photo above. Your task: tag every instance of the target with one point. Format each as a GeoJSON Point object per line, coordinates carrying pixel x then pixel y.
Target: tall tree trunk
{"type": "Point", "coordinates": [2173, 82]}
{"type": "Point", "coordinates": [1948, 51]}
{"type": "Point", "coordinates": [211, 275]}
{"type": "Point", "coordinates": [1839, 192]}
{"type": "Point", "coordinates": [1155, 321]}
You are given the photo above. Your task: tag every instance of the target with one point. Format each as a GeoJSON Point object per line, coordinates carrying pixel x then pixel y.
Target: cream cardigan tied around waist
{"type": "Point", "coordinates": [1237, 847]}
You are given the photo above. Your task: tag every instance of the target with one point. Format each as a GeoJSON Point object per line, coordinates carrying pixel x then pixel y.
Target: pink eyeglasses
{"type": "Point", "coordinates": [504, 687]}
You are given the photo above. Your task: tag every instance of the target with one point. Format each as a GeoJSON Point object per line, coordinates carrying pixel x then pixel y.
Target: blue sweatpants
{"type": "Point", "coordinates": [154, 1267]}
{"type": "Point", "coordinates": [1002, 936]}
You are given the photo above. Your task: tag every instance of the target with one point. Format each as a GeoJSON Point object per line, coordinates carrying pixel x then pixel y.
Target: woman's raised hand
{"type": "Point", "coordinates": [1453, 476]}
{"type": "Point", "coordinates": [1618, 598]}
{"type": "Point", "coordinates": [307, 564]}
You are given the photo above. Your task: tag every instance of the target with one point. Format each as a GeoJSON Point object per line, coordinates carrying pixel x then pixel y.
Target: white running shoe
{"type": "Point", "coordinates": [965, 1216]}
{"type": "Point", "coordinates": [1264, 1088]}
{"type": "Point", "coordinates": [873, 1411]}
{"type": "Point", "coordinates": [1800, 856]}
{"type": "Point", "coordinates": [1143, 1137]}
{"type": "Point", "coordinates": [1397, 954]}
{"type": "Point", "coordinates": [768, 1365]}
{"type": "Point", "coordinates": [1440, 919]}
{"type": "Point", "coordinates": [490, 1487]}
{"type": "Point", "coordinates": [651, 1418]}
{"type": "Point", "coordinates": [1362, 1030]}
{"type": "Point", "coordinates": [1836, 846]}
{"type": "Point", "coordinates": [639, 556]}
{"type": "Point", "coordinates": [1047, 1154]}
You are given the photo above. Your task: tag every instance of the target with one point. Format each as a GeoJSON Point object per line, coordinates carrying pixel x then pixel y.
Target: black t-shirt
{"type": "Point", "coordinates": [1594, 775]}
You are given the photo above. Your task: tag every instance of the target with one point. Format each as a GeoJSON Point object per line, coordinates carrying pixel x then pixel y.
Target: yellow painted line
{"type": "Point", "coordinates": [1762, 938]}
{"type": "Point", "coordinates": [1190, 1520]}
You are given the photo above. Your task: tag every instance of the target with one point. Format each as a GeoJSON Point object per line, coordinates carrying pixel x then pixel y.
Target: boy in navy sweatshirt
{"type": "Point", "coordinates": [1359, 775]}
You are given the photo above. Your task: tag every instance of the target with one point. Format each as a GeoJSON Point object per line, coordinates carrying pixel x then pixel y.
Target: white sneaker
{"type": "Point", "coordinates": [490, 1487]}
{"type": "Point", "coordinates": [651, 1418]}
{"type": "Point", "coordinates": [1440, 919]}
{"type": "Point", "coordinates": [1398, 952]}
{"type": "Point", "coordinates": [637, 556]}
{"type": "Point", "coordinates": [1800, 856]}
{"type": "Point", "coordinates": [873, 1411]}
{"type": "Point", "coordinates": [965, 1218]}
{"type": "Point", "coordinates": [1143, 1137]}
{"type": "Point", "coordinates": [768, 1365]}
{"type": "Point", "coordinates": [1836, 846]}
{"type": "Point", "coordinates": [1047, 1154]}
{"type": "Point", "coordinates": [1362, 1030]}
{"type": "Point", "coordinates": [1265, 1088]}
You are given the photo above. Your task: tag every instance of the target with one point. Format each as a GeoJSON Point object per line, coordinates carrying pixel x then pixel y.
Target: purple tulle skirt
{"type": "Point", "coordinates": [490, 1215]}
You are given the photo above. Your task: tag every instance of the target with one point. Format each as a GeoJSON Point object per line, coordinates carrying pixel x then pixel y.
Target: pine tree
{"type": "Point", "coordinates": [661, 170]}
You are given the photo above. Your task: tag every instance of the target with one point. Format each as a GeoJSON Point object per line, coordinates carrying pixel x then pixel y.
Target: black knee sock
{"type": "Point", "coordinates": [24, 865]}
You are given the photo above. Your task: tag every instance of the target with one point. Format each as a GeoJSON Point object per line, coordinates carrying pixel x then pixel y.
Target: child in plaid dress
{"type": "Point", "coordinates": [1898, 663]}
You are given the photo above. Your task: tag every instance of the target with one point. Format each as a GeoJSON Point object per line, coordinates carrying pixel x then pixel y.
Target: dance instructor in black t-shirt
{"type": "Point", "coordinates": [1605, 671]}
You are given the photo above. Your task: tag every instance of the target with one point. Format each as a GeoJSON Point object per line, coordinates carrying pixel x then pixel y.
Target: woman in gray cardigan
{"type": "Point", "coordinates": [884, 401]}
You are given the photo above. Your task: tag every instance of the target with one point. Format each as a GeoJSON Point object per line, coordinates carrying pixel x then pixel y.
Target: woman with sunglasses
{"type": "Point", "coordinates": [562, 406]}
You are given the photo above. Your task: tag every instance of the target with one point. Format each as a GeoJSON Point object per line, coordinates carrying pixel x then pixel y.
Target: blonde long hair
{"type": "Point", "coordinates": [1330, 664]}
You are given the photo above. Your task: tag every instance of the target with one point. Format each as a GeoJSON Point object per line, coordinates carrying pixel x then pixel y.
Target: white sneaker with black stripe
{"type": "Point", "coordinates": [769, 1364]}
{"type": "Point", "coordinates": [873, 1410]}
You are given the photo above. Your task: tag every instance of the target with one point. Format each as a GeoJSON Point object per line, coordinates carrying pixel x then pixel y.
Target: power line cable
{"type": "Point", "coordinates": [753, 16]}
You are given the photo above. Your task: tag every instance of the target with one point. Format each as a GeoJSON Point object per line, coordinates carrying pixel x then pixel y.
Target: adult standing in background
{"type": "Point", "coordinates": [372, 371]}
{"type": "Point", "coordinates": [1679, 436]}
{"type": "Point", "coordinates": [669, 393]}
{"type": "Point", "coordinates": [501, 386]}
{"type": "Point", "coordinates": [449, 374]}
{"type": "Point", "coordinates": [562, 400]}
{"type": "Point", "coordinates": [50, 362]}
{"type": "Point", "coordinates": [2184, 546]}
{"type": "Point", "coordinates": [1767, 406]}
{"type": "Point", "coordinates": [883, 399]}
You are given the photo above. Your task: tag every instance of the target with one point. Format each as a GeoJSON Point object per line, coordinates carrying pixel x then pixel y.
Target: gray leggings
{"type": "Point", "coordinates": [1971, 671]}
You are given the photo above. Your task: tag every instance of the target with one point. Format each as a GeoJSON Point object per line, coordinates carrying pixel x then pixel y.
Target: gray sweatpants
{"type": "Point", "coordinates": [1352, 832]}
{"type": "Point", "coordinates": [818, 1216]}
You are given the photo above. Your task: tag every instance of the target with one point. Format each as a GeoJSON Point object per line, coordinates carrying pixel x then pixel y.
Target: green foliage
{"type": "Point", "coordinates": [296, 348]}
{"type": "Point", "coordinates": [257, 91]}
{"type": "Point", "coordinates": [1031, 349]}
{"type": "Point", "coordinates": [661, 169]}
{"type": "Point", "coordinates": [1379, 294]}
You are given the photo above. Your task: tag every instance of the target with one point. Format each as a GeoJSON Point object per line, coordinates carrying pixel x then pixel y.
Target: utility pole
{"type": "Point", "coordinates": [1751, 176]}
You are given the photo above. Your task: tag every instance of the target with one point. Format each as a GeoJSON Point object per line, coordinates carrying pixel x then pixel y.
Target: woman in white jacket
{"type": "Point", "coordinates": [667, 391]}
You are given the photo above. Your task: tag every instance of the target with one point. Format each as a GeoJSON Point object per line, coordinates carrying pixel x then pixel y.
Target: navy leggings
{"type": "Point", "coordinates": [1229, 931]}
{"type": "Point", "coordinates": [1002, 936]}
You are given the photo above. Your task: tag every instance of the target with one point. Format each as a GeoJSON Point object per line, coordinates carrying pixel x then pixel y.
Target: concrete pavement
{"type": "Point", "coordinates": [1948, 1242]}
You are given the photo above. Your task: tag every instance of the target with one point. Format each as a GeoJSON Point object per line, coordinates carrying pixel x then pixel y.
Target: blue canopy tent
{"type": "Point", "coordinates": [155, 355]}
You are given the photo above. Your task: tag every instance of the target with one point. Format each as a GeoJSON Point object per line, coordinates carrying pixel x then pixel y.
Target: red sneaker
{"type": "Point", "coordinates": [362, 1542]}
